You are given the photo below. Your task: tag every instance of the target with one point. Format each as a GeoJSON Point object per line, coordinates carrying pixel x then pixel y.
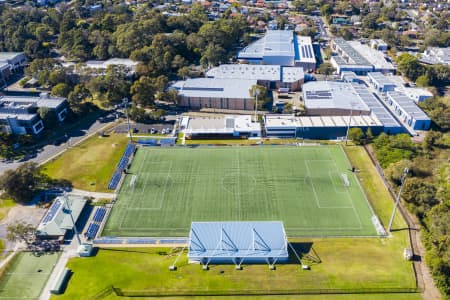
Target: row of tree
{"type": "Point", "coordinates": [427, 188]}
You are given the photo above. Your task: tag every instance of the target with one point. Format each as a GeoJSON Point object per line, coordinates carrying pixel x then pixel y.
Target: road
{"type": "Point", "coordinates": [73, 137]}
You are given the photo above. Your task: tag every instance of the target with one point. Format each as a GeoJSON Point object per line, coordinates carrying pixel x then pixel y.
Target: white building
{"type": "Point", "coordinates": [435, 55]}
{"type": "Point", "coordinates": [223, 126]}
{"type": "Point", "coordinates": [331, 98]}
{"type": "Point", "coordinates": [270, 76]}
{"type": "Point", "coordinates": [280, 47]}
{"type": "Point", "coordinates": [232, 94]}
{"type": "Point", "coordinates": [359, 58]}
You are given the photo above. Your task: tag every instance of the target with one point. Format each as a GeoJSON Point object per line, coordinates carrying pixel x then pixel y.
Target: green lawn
{"type": "Point", "coordinates": [5, 207]}
{"type": "Point", "coordinates": [26, 276]}
{"type": "Point", "coordinates": [373, 185]}
{"type": "Point", "coordinates": [301, 186]}
{"type": "Point", "coordinates": [90, 164]}
{"type": "Point", "coordinates": [346, 264]}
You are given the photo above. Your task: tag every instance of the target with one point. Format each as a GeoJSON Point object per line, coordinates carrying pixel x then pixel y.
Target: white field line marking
{"type": "Point", "coordinates": [351, 201]}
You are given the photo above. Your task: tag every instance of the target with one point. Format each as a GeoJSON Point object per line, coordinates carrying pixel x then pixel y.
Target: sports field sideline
{"type": "Point", "coordinates": [310, 189]}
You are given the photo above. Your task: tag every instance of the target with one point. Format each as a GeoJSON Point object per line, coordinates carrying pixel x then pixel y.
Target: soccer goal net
{"type": "Point", "coordinates": [133, 180]}
{"type": "Point", "coordinates": [345, 179]}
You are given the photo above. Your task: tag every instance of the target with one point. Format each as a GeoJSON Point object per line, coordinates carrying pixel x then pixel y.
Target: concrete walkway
{"type": "Point", "coordinates": [92, 194]}
{"type": "Point", "coordinates": [68, 252]}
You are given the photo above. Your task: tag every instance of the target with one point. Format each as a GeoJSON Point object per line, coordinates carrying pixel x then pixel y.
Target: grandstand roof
{"type": "Point", "coordinates": [331, 94]}
{"type": "Point", "coordinates": [408, 105]}
{"type": "Point", "coordinates": [257, 72]}
{"type": "Point", "coordinates": [237, 240]}
{"type": "Point", "coordinates": [57, 220]}
{"type": "Point", "coordinates": [215, 88]}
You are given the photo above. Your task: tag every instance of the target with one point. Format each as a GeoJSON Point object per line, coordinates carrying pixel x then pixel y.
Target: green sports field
{"type": "Point", "coordinates": [310, 189]}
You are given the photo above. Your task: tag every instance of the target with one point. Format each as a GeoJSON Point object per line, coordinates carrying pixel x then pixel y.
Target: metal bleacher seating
{"type": "Point", "coordinates": [92, 230]}
{"type": "Point", "coordinates": [115, 179]}
{"type": "Point", "coordinates": [99, 214]}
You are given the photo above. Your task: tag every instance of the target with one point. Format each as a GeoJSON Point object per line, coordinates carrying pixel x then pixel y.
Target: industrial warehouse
{"type": "Point", "coordinates": [280, 47]}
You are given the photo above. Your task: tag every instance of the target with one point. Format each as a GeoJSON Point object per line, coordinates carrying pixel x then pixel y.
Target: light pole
{"type": "Point", "coordinates": [75, 230]}
{"type": "Point", "coordinates": [125, 103]}
{"type": "Point", "coordinates": [256, 94]}
{"type": "Point", "coordinates": [348, 126]}
{"type": "Point", "coordinates": [397, 201]}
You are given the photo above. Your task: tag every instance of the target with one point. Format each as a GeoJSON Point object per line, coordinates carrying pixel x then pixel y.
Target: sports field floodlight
{"type": "Point", "coordinates": [67, 204]}
{"type": "Point", "coordinates": [256, 93]}
{"type": "Point", "coordinates": [349, 121]}
{"type": "Point", "coordinates": [397, 201]}
{"type": "Point", "coordinates": [125, 104]}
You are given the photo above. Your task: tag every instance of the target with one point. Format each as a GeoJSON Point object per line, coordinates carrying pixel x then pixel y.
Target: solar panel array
{"type": "Point", "coordinates": [52, 211]}
{"type": "Point", "coordinates": [376, 107]}
{"type": "Point", "coordinates": [326, 94]}
{"type": "Point", "coordinates": [99, 214]}
{"type": "Point", "coordinates": [92, 231]}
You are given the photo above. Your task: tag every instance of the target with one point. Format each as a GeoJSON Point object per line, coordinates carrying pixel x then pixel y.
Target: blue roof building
{"type": "Point", "coordinates": [238, 242]}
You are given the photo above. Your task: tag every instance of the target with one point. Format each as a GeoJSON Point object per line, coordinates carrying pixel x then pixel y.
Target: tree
{"type": "Point", "coordinates": [78, 95]}
{"type": "Point", "coordinates": [356, 135]}
{"type": "Point", "coordinates": [395, 171]}
{"type": "Point", "coordinates": [48, 117]}
{"type": "Point", "coordinates": [20, 231]}
{"type": "Point", "coordinates": [423, 81]}
{"type": "Point", "coordinates": [143, 91]}
{"type": "Point", "coordinates": [409, 66]}
{"type": "Point", "coordinates": [421, 194]}
{"type": "Point", "coordinates": [326, 69]}
{"type": "Point", "coordinates": [20, 184]}
{"type": "Point", "coordinates": [263, 99]}
{"type": "Point", "coordinates": [326, 10]}
{"type": "Point", "coordinates": [61, 90]}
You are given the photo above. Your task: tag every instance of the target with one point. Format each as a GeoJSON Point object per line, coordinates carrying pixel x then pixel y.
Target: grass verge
{"type": "Point", "coordinates": [90, 164]}
{"type": "Point", "coordinates": [5, 207]}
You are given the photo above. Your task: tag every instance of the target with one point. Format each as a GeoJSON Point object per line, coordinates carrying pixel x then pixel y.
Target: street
{"type": "Point", "coordinates": [72, 137]}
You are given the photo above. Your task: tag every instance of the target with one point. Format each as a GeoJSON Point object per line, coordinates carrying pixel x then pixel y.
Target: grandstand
{"type": "Point", "coordinates": [237, 242]}
{"type": "Point", "coordinates": [301, 186]}
{"type": "Point", "coordinates": [121, 166]}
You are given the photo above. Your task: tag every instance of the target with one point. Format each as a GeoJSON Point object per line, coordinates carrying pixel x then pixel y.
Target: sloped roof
{"type": "Point", "coordinates": [237, 239]}
{"type": "Point", "coordinates": [57, 219]}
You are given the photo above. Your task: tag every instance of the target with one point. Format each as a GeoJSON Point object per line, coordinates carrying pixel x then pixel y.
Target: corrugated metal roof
{"type": "Point", "coordinates": [375, 106]}
{"type": "Point", "coordinates": [331, 94]}
{"type": "Point", "coordinates": [407, 105]}
{"type": "Point", "coordinates": [237, 239]}
{"type": "Point", "coordinates": [381, 79]}
{"type": "Point", "coordinates": [215, 88]}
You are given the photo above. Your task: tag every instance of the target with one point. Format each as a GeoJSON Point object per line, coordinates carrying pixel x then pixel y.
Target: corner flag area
{"type": "Point", "coordinates": [311, 189]}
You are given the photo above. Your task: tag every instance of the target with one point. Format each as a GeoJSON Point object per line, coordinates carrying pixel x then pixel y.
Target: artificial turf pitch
{"type": "Point", "coordinates": [301, 186]}
{"type": "Point", "coordinates": [26, 276]}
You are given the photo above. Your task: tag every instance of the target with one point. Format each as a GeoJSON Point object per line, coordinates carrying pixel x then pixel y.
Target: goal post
{"type": "Point", "coordinates": [133, 180]}
{"type": "Point", "coordinates": [345, 179]}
